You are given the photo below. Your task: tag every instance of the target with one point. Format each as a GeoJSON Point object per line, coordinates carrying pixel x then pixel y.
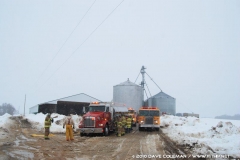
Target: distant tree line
{"type": "Point", "coordinates": [235, 117]}
{"type": "Point", "coordinates": [7, 108]}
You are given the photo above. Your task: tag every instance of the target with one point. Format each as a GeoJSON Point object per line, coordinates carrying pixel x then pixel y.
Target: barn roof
{"type": "Point", "coordinates": [82, 97]}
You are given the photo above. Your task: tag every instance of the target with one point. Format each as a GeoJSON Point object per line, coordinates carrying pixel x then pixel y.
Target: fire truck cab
{"type": "Point", "coordinates": [98, 119]}
{"type": "Point", "coordinates": [149, 117]}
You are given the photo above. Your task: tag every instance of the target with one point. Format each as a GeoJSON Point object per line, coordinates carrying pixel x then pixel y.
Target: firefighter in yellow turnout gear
{"type": "Point", "coordinates": [69, 127]}
{"type": "Point", "coordinates": [119, 127]}
{"type": "Point", "coordinates": [47, 124]}
{"type": "Point", "coordinates": [124, 122]}
{"type": "Point", "coordinates": [129, 124]}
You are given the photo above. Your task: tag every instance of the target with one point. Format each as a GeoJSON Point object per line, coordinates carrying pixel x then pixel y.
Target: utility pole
{"type": "Point", "coordinates": [24, 105]}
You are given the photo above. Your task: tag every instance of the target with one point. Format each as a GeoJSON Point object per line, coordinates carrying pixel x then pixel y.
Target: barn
{"type": "Point", "coordinates": [68, 105]}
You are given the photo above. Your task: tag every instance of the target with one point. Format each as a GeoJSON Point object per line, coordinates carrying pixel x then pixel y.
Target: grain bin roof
{"type": "Point", "coordinates": [161, 95]}
{"type": "Point", "coordinates": [127, 83]}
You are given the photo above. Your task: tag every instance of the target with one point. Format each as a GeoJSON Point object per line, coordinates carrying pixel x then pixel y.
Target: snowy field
{"type": "Point", "coordinates": [205, 135]}
{"type": "Point", "coordinates": [208, 136]}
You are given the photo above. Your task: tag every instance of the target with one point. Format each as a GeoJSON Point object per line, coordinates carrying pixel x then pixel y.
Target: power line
{"type": "Point", "coordinates": [65, 41]}
{"type": "Point", "coordinates": [84, 40]}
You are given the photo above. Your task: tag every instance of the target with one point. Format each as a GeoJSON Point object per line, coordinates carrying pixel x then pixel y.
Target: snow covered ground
{"type": "Point", "coordinates": [207, 136]}
{"type": "Point", "coordinates": [37, 121]}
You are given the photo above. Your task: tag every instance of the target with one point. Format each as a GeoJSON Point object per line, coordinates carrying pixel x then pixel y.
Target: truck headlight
{"type": "Point", "coordinates": [156, 122]}
{"type": "Point", "coordinates": [100, 124]}
{"type": "Point", "coordinates": [141, 122]}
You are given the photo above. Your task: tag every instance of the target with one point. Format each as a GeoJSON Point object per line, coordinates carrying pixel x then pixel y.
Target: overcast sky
{"type": "Point", "coordinates": [191, 49]}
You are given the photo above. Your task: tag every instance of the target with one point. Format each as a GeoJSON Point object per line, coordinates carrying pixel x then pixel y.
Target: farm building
{"type": "Point", "coordinates": [68, 105]}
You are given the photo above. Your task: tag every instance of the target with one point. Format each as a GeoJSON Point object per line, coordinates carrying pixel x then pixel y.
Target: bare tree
{"type": "Point", "coordinates": [7, 108]}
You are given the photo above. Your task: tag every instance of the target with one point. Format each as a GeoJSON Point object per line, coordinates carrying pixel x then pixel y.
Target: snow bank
{"type": "Point", "coordinates": [4, 120]}
{"type": "Point", "coordinates": [37, 121]}
{"type": "Point", "coordinates": [206, 134]}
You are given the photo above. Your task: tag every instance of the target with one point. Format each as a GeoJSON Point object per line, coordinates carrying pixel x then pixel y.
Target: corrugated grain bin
{"type": "Point", "coordinates": [163, 101]}
{"type": "Point", "coordinates": [128, 93]}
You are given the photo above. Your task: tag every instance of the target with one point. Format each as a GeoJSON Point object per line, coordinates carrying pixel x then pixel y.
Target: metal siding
{"type": "Point", "coordinates": [149, 102]}
{"type": "Point", "coordinates": [165, 102]}
{"type": "Point", "coordinates": [47, 108]}
{"type": "Point", "coordinates": [33, 109]}
{"type": "Point", "coordinates": [129, 94]}
{"type": "Point", "coordinates": [65, 107]}
{"type": "Point", "coordinates": [120, 109]}
{"type": "Point", "coordinates": [74, 98]}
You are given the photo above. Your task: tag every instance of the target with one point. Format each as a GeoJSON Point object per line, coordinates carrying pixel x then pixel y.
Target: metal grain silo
{"type": "Point", "coordinates": [163, 101]}
{"type": "Point", "coordinates": [128, 93]}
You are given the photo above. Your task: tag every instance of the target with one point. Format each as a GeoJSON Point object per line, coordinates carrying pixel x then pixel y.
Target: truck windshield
{"type": "Point", "coordinates": [130, 111]}
{"type": "Point", "coordinates": [148, 113]}
{"type": "Point", "coordinates": [96, 108]}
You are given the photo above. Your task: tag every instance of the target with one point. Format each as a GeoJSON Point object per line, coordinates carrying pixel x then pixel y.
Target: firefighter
{"type": "Point", "coordinates": [47, 125]}
{"type": "Point", "coordinates": [129, 123]}
{"type": "Point", "coordinates": [116, 124]}
{"type": "Point", "coordinates": [69, 127]}
{"type": "Point", "coordinates": [119, 126]}
{"type": "Point", "coordinates": [124, 123]}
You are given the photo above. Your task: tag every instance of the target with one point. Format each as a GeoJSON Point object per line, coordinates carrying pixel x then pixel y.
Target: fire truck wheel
{"type": "Point", "coordinates": [81, 134]}
{"type": "Point", "coordinates": [106, 131]}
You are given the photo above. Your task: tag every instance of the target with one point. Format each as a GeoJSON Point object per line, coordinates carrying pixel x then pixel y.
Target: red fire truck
{"type": "Point", "coordinates": [98, 119]}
